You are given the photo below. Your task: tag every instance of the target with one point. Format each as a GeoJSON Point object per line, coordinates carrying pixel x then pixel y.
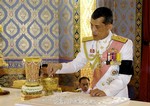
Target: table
{"type": "Point", "coordinates": [14, 99]}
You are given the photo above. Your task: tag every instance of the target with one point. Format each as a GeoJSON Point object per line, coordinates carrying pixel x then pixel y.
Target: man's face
{"type": "Point", "coordinates": [44, 70]}
{"type": "Point", "coordinates": [99, 29]}
{"type": "Point", "coordinates": [84, 84]}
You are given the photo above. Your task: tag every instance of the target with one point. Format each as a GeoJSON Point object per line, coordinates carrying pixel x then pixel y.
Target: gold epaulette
{"type": "Point", "coordinates": [89, 38]}
{"type": "Point", "coordinates": [119, 38]}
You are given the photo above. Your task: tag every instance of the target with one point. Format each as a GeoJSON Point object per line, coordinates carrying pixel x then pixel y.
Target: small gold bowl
{"type": "Point", "coordinates": [50, 85]}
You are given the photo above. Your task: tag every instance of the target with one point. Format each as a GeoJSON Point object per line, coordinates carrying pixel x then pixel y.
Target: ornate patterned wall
{"type": "Point", "coordinates": [30, 28]}
{"type": "Point", "coordinates": [70, 43]}
{"type": "Point", "coordinates": [66, 36]}
{"type": "Point", "coordinates": [35, 28]}
{"type": "Point", "coordinates": [127, 23]}
{"type": "Point", "coordinates": [137, 42]}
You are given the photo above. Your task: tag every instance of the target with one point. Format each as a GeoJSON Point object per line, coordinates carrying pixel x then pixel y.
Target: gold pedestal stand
{"type": "Point", "coordinates": [32, 87]}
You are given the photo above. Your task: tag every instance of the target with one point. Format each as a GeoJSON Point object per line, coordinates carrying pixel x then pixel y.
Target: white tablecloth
{"type": "Point", "coordinates": [14, 99]}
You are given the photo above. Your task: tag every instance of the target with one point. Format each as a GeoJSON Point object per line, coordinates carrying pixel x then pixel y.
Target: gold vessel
{"type": "Point", "coordinates": [50, 85]}
{"type": "Point", "coordinates": [32, 66]}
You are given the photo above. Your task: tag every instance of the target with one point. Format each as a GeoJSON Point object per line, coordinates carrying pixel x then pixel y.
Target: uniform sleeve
{"type": "Point", "coordinates": [127, 51]}
{"type": "Point", "coordinates": [122, 80]}
{"type": "Point", "coordinates": [117, 85]}
{"type": "Point", "coordinates": [75, 65]}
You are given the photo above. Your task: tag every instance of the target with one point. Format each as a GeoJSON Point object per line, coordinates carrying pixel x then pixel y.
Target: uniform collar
{"type": "Point", "coordinates": [108, 38]}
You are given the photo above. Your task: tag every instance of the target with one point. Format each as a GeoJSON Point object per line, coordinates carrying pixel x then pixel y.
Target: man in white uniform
{"type": "Point", "coordinates": [110, 56]}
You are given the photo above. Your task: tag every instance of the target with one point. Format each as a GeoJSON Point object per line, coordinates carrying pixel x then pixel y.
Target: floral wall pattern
{"type": "Point", "coordinates": [41, 28]}
{"type": "Point", "coordinates": [30, 28]}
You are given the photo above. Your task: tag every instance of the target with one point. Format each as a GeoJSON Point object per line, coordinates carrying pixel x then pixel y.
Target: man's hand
{"type": "Point", "coordinates": [53, 67]}
{"type": "Point", "coordinates": [97, 92]}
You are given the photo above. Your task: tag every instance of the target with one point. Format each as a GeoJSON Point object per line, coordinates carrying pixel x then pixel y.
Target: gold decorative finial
{"type": "Point", "coordinates": [1, 28]}
{"type": "Point", "coordinates": [2, 62]}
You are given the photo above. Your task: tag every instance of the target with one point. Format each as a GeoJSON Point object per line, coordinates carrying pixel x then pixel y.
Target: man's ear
{"type": "Point", "coordinates": [110, 26]}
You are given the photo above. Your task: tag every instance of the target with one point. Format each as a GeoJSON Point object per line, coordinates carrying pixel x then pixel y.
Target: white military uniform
{"type": "Point", "coordinates": [111, 84]}
{"type": "Point", "coordinates": [86, 92]}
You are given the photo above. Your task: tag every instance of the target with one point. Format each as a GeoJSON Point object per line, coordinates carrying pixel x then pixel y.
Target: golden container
{"type": "Point", "coordinates": [50, 85]}
{"type": "Point", "coordinates": [32, 66]}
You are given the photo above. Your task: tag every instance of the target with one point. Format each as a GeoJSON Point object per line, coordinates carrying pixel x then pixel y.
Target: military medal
{"type": "Point", "coordinates": [92, 50]}
{"type": "Point", "coordinates": [114, 72]}
{"type": "Point", "coordinates": [108, 59]}
{"type": "Point", "coordinates": [113, 57]}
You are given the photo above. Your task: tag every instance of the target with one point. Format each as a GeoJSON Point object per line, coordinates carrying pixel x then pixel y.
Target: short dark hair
{"type": "Point", "coordinates": [44, 65]}
{"type": "Point", "coordinates": [103, 12]}
{"type": "Point", "coordinates": [83, 78]}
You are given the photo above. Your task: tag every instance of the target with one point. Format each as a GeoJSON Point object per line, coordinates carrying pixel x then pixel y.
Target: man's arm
{"type": "Point", "coordinates": [70, 67]}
